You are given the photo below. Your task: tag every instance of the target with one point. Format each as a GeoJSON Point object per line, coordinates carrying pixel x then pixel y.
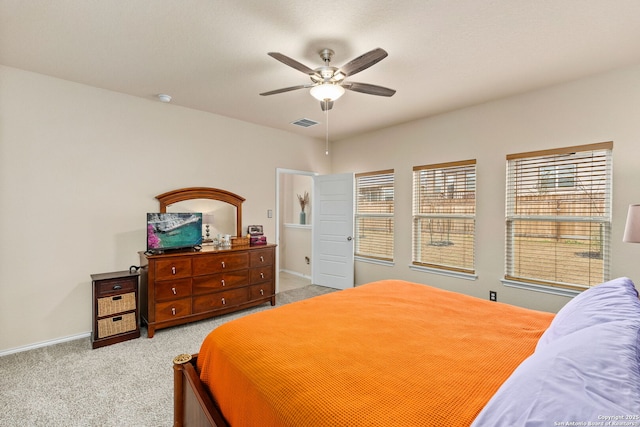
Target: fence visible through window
{"type": "Point", "coordinates": [558, 216]}
{"type": "Point", "coordinates": [444, 208]}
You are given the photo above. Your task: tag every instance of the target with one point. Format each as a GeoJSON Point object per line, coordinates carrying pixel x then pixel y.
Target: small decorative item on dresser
{"type": "Point", "coordinates": [239, 241]}
{"type": "Point", "coordinates": [115, 307]}
{"type": "Point", "coordinates": [256, 235]}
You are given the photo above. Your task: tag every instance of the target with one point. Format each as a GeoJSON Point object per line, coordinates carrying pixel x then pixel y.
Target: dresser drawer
{"type": "Point", "coordinates": [259, 275]}
{"type": "Point", "coordinates": [173, 289]}
{"type": "Point", "coordinates": [218, 263]}
{"type": "Point", "coordinates": [219, 300]}
{"type": "Point", "coordinates": [172, 268]}
{"type": "Point", "coordinates": [260, 291]}
{"type": "Point", "coordinates": [173, 309]}
{"type": "Point", "coordinates": [261, 257]}
{"type": "Point", "coordinates": [106, 287]}
{"type": "Point", "coordinates": [213, 282]}
{"type": "Point", "coordinates": [116, 304]}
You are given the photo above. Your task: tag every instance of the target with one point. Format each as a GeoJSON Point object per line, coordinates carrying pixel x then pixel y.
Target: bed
{"type": "Point", "coordinates": [394, 353]}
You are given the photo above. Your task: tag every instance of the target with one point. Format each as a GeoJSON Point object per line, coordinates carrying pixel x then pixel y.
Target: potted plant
{"type": "Point", "coordinates": [304, 201]}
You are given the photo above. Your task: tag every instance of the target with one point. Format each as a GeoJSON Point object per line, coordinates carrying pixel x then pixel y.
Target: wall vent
{"type": "Point", "coordinates": [305, 123]}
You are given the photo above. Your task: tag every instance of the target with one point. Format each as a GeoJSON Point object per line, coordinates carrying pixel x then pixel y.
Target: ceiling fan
{"type": "Point", "coordinates": [328, 83]}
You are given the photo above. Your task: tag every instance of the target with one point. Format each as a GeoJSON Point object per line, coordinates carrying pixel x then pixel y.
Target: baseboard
{"type": "Point", "coordinates": [295, 273]}
{"type": "Point", "coordinates": [44, 344]}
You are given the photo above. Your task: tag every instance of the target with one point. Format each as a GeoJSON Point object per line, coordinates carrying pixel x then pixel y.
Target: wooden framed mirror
{"type": "Point", "coordinates": [201, 195]}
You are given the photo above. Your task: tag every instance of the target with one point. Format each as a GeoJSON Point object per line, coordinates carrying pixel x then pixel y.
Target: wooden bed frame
{"type": "Point", "coordinates": [192, 404]}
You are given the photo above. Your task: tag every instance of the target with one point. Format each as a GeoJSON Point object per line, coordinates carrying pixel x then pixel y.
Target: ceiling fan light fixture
{"type": "Point", "coordinates": [328, 91]}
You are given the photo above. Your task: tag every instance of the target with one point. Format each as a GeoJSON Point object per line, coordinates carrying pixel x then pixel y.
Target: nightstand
{"type": "Point", "coordinates": [115, 308]}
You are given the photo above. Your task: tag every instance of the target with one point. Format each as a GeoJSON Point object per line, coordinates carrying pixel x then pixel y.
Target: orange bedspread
{"type": "Point", "coordinates": [389, 353]}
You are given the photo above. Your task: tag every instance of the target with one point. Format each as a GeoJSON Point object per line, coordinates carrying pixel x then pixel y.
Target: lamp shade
{"type": "Point", "coordinates": [632, 229]}
{"type": "Point", "coordinates": [328, 91]}
{"type": "Point", "coordinates": [207, 218]}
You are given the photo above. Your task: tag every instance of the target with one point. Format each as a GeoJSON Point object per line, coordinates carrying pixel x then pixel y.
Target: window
{"type": "Point", "coordinates": [558, 216]}
{"type": "Point", "coordinates": [374, 215]}
{"type": "Point", "coordinates": [557, 176]}
{"type": "Point", "coordinates": [444, 211]}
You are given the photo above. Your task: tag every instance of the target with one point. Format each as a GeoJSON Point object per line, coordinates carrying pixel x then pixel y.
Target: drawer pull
{"type": "Point", "coordinates": [174, 291]}
{"type": "Point", "coordinates": [223, 301]}
{"type": "Point", "coordinates": [117, 319]}
{"type": "Point", "coordinates": [116, 298]}
{"type": "Point", "coordinates": [223, 266]}
{"type": "Point", "coordinates": [223, 284]}
{"type": "Point", "coordinates": [261, 258]}
{"type": "Point", "coordinates": [173, 270]}
{"type": "Point", "coordinates": [261, 291]}
{"type": "Point", "coordinates": [117, 287]}
{"type": "Point", "coordinates": [261, 275]}
{"type": "Point", "coordinates": [173, 311]}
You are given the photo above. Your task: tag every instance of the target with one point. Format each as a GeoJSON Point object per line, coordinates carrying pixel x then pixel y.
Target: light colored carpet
{"type": "Point", "coordinates": [125, 384]}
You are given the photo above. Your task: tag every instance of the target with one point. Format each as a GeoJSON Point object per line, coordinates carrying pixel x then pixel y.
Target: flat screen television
{"type": "Point", "coordinates": [172, 231]}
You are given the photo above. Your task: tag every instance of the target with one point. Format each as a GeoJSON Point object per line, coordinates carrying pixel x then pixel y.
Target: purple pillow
{"type": "Point", "coordinates": [610, 301]}
{"type": "Point", "coordinates": [582, 377]}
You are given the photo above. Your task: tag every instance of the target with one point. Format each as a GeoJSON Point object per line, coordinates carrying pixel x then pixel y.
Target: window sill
{"type": "Point", "coordinates": [374, 261]}
{"type": "Point", "coordinates": [442, 272]}
{"type": "Point", "coordinates": [540, 288]}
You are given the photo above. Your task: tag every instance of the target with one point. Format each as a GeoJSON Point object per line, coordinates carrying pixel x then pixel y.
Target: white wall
{"type": "Point", "coordinates": [597, 109]}
{"type": "Point", "coordinates": [80, 166]}
{"type": "Point", "coordinates": [79, 169]}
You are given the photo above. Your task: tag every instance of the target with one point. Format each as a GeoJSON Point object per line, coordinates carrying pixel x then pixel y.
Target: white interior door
{"type": "Point", "coordinates": [332, 238]}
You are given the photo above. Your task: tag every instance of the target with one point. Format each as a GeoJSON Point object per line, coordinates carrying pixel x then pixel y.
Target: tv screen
{"type": "Point", "coordinates": [167, 231]}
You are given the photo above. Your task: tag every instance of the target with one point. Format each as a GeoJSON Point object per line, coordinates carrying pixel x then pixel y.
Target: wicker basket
{"type": "Point", "coordinates": [239, 241]}
{"type": "Point", "coordinates": [116, 325]}
{"type": "Point", "coordinates": [116, 304]}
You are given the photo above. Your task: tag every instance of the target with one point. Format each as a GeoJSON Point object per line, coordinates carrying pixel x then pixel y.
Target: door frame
{"type": "Point", "coordinates": [279, 173]}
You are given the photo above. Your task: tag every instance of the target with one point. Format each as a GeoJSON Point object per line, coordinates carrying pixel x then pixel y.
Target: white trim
{"type": "Point", "coordinates": [443, 272]}
{"type": "Point", "coordinates": [44, 344]}
{"type": "Point", "coordinates": [374, 261]}
{"type": "Point", "coordinates": [540, 288]}
{"type": "Point", "coordinates": [291, 225]}
{"type": "Point", "coordinates": [295, 273]}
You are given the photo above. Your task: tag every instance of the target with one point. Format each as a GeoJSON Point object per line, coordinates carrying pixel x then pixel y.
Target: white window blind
{"type": "Point", "coordinates": [374, 215]}
{"type": "Point", "coordinates": [444, 216]}
{"type": "Point", "coordinates": [558, 216]}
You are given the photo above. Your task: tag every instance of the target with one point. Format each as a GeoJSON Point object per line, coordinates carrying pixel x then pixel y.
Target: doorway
{"type": "Point", "coordinates": [293, 231]}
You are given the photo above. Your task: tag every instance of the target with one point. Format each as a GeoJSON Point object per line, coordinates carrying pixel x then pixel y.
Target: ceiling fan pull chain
{"type": "Point", "coordinates": [326, 111]}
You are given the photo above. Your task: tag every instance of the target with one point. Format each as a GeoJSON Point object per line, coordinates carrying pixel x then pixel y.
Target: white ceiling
{"type": "Point", "coordinates": [211, 55]}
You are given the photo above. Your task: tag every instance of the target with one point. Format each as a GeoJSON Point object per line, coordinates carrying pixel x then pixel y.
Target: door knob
{"type": "Point", "coordinates": [349, 238]}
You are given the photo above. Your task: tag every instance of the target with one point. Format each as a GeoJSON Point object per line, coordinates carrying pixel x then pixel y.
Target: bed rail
{"type": "Point", "coordinates": [192, 404]}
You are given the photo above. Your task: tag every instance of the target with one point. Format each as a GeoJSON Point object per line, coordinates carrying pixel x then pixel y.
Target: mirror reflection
{"type": "Point", "coordinates": [217, 217]}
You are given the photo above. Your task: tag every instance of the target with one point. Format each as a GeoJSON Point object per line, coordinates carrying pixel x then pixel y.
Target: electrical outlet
{"type": "Point", "coordinates": [493, 296]}
{"type": "Point", "coordinates": [269, 213]}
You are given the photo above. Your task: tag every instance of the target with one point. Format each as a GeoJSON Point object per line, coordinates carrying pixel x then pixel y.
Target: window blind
{"type": "Point", "coordinates": [558, 216]}
{"type": "Point", "coordinates": [374, 215]}
{"type": "Point", "coordinates": [444, 209]}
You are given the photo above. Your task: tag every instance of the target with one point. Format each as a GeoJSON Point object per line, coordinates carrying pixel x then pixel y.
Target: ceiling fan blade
{"type": "Point", "coordinates": [363, 62]}
{"type": "Point", "coordinates": [286, 89]}
{"type": "Point", "coordinates": [292, 63]}
{"type": "Point", "coordinates": [368, 88]}
{"type": "Point", "coordinates": [326, 105]}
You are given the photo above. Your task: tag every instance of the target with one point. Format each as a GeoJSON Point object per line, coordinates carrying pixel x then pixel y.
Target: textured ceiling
{"type": "Point", "coordinates": [212, 55]}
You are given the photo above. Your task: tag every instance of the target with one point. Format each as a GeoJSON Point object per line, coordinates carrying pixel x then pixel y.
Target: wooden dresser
{"type": "Point", "coordinates": [183, 287]}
